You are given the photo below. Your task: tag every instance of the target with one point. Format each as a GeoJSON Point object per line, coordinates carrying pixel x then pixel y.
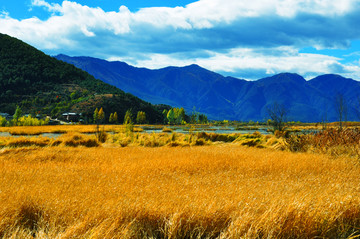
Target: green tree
{"type": "Point", "coordinates": [141, 117]}
{"type": "Point", "coordinates": [128, 117]}
{"type": "Point", "coordinates": [73, 95]}
{"type": "Point", "coordinates": [194, 117]}
{"type": "Point", "coordinates": [128, 122]}
{"type": "Point", "coordinates": [165, 112]}
{"type": "Point", "coordinates": [115, 117]}
{"type": "Point", "coordinates": [17, 114]}
{"type": "Point", "coordinates": [179, 115]}
{"type": "Point", "coordinates": [171, 116]}
{"type": "Point", "coordinates": [96, 115]}
{"type": "Point", "coordinates": [3, 121]}
{"type": "Point", "coordinates": [203, 119]}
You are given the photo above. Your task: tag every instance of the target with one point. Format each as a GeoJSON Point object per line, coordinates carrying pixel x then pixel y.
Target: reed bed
{"type": "Point", "coordinates": [219, 191]}
{"type": "Point", "coordinates": [70, 139]}
{"type": "Point", "coordinates": [333, 141]}
{"type": "Point", "coordinates": [193, 139]}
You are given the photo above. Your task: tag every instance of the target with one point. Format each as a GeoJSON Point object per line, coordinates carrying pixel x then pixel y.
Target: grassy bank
{"type": "Point", "coordinates": [58, 129]}
{"type": "Point", "coordinates": [219, 191]}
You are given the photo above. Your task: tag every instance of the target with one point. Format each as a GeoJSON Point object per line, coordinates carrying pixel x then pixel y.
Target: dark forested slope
{"type": "Point", "coordinates": [40, 83]}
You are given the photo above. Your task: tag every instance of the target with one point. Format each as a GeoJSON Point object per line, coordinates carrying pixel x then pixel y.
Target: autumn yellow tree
{"type": "Point", "coordinates": [141, 117]}
{"type": "Point", "coordinates": [101, 115]}
{"type": "Point", "coordinates": [113, 118]}
{"type": "Point", "coordinates": [128, 117]}
{"type": "Point", "coordinates": [128, 122]}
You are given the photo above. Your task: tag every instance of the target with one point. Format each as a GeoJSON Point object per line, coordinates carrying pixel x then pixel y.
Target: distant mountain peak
{"type": "Point", "coordinates": [329, 77]}
{"type": "Point", "coordinates": [281, 78]}
{"type": "Point", "coordinates": [193, 66]}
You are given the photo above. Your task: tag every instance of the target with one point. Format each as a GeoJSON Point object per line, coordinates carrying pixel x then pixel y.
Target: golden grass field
{"type": "Point", "coordinates": [35, 130]}
{"type": "Point", "coordinates": [216, 191]}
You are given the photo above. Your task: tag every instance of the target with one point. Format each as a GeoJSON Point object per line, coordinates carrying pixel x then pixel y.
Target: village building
{"type": "Point", "coordinates": [6, 116]}
{"type": "Point", "coordinates": [71, 117]}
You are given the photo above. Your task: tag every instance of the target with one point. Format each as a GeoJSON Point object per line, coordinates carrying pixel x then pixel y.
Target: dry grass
{"type": "Point", "coordinates": [333, 141]}
{"type": "Point", "coordinates": [69, 139]}
{"type": "Point", "coordinates": [36, 130]}
{"type": "Point", "coordinates": [220, 191]}
{"type": "Point", "coordinates": [192, 139]}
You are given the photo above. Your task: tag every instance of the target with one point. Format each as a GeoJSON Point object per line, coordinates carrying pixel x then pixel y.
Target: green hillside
{"type": "Point", "coordinates": [42, 84]}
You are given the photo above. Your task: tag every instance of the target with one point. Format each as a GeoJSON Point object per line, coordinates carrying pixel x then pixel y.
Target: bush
{"type": "Point", "coordinates": [26, 142]}
{"type": "Point", "coordinates": [284, 133]}
{"type": "Point", "coordinates": [101, 136]}
{"type": "Point", "coordinates": [332, 141]}
{"type": "Point", "coordinates": [251, 142]}
{"type": "Point", "coordinates": [3, 121]}
{"type": "Point", "coordinates": [166, 130]}
{"type": "Point", "coordinates": [200, 142]}
{"type": "Point", "coordinates": [213, 137]}
{"type": "Point", "coordinates": [298, 143]}
{"type": "Point", "coordinates": [75, 140]}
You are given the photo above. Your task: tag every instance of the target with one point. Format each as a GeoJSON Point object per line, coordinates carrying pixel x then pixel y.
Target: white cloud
{"type": "Point", "coordinates": [239, 60]}
{"type": "Point", "coordinates": [235, 35]}
{"type": "Point", "coordinates": [50, 7]}
{"type": "Point", "coordinates": [75, 18]}
{"type": "Point", "coordinates": [4, 14]}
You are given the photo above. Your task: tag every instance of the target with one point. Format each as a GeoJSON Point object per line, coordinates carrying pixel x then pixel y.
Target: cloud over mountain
{"type": "Point", "coordinates": [228, 36]}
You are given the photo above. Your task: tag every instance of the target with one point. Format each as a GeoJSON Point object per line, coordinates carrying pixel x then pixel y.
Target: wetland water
{"type": "Point", "coordinates": [158, 129]}
{"type": "Point", "coordinates": [208, 129]}
{"type": "Point", "coordinates": [49, 135]}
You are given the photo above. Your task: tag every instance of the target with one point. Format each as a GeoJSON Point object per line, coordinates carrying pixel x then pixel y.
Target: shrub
{"type": "Point", "coordinates": [284, 133]}
{"type": "Point", "coordinates": [298, 143]}
{"type": "Point", "coordinates": [332, 141]}
{"type": "Point", "coordinates": [174, 144]}
{"type": "Point", "coordinates": [75, 140]}
{"type": "Point", "coordinates": [3, 121]}
{"type": "Point", "coordinates": [166, 130]}
{"type": "Point", "coordinates": [101, 136]}
{"type": "Point", "coordinates": [251, 142]}
{"type": "Point", "coordinates": [26, 142]}
{"type": "Point", "coordinates": [200, 142]}
{"type": "Point", "coordinates": [213, 137]}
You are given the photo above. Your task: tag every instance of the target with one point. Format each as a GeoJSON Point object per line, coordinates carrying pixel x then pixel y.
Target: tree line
{"type": "Point", "coordinates": [173, 116]}
{"type": "Point", "coordinates": [18, 119]}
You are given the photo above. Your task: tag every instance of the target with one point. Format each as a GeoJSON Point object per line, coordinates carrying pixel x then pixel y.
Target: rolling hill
{"type": "Point", "coordinates": [222, 97]}
{"type": "Point", "coordinates": [41, 84]}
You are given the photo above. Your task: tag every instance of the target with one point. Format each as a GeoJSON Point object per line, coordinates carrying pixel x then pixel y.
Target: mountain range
{"type": "Point", "coordinates": [219, 97]}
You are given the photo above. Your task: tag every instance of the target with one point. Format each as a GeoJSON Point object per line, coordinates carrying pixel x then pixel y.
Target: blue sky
{"type": "Point", "coordinates": [240, 38]}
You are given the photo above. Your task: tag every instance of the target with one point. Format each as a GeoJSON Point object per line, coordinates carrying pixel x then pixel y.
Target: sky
{"type": "Point", "coordinates": [248, 39]}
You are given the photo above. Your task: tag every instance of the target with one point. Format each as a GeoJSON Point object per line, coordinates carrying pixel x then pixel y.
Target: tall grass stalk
{"type": "Point", "coordinates": [221, 191]}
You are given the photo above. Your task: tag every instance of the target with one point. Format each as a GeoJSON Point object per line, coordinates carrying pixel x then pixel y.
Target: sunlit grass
{"type": "Point", "coordinates": [220, 191]}
{"type": "Point", "coordinates": [70, 139]}
{"type": "Point", "coordinates": [36, 130]}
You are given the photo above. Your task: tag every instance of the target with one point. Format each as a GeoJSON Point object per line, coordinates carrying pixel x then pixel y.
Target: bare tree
{"type": "Point", "coordinates": [278, 115]}
{"type": "Point", "coordinates": [341, 108]}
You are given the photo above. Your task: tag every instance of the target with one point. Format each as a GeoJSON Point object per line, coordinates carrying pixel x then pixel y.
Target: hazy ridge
{"type": "Point", "coordinates": [226, 97]}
